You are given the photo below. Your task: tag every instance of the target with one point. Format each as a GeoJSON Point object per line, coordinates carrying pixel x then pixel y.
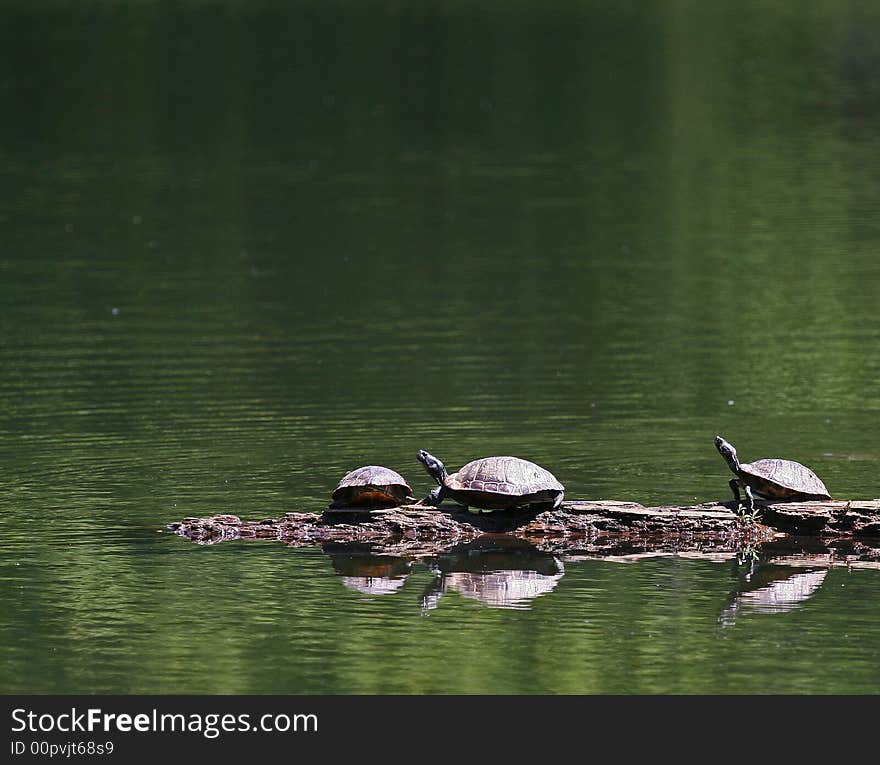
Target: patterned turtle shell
{"type": "Point", "coordinates": [372, 485]}
{"type": "Point", "coordinates": [510, 476]}
{"type": "Point", "coordinates": [783, 479]}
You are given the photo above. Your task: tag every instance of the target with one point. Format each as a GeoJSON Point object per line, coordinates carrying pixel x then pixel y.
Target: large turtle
{"type": "Point", "coordinates": [372, 486]}
{"type": "Point", "coordinates": [493, 483]}
{"type": "Point", "coordinates": [771, 479]}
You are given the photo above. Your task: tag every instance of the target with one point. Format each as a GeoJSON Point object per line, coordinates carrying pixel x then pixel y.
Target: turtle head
{"type": "Point", "coordinates": [728, 452]}
{"type": "Point", "coordinates": [435, 468]}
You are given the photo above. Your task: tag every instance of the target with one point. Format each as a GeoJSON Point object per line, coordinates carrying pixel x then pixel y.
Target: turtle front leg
{"type": "Point", "coordinates": [734, 486]}
{"type": "Point", "coordinates": [750, 501]}
{"type": "Point", "coordinates": [435, 496]}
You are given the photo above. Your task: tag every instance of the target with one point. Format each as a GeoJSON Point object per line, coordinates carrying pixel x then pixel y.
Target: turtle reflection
{"type": "Point", "coordinates": [501, 572]}
{"type": "Point", "coordinates": [365, 571]}
{"type": "Point", "coordinates": [771, 589]}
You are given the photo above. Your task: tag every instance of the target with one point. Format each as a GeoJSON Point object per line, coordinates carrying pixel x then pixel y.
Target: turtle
{"type": "Point", "coordinates": [371, 486]}
{"type": "Point", "coordinates": [493, 483]}
{"type": "Point", "coordinates": [770, 478]}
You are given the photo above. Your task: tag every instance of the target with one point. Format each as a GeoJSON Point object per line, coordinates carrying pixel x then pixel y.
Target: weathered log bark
{"type": "Point", "coordinates": [575, 525]}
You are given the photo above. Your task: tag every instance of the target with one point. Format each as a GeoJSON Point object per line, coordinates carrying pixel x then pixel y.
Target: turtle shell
{"type": "Point", "coordinates": [372, 485]}
{"type": "Point", "coordinates": [783, 479]}
{"type": "Point", "coordinates": [499, 482]}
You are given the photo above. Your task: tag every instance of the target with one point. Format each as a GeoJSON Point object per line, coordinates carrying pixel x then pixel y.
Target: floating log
{"type": "Point", "coordinates": [575, 525]}
{"type": "Point", "coordinates": [506, 561]}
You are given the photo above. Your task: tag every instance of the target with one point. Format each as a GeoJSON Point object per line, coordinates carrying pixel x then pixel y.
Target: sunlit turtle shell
{"type": "Point", "coordinates": [371, 486]}
{"type": "Point", "coordinates": [783, 479]}
{"type": "Point", "coordinates": [502, 482]}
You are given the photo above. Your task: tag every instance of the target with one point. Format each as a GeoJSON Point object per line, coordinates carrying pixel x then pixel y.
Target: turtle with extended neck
{"type": "Point", "coordinates": [770, 478]}
{"type": "Point", "coordinates": [493, 483]}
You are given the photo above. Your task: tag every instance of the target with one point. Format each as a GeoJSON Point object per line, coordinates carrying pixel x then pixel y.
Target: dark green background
{"type": "Point", "coordinates": [246, 247]}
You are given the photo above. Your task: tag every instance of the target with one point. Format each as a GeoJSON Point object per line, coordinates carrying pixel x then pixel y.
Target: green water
{"type": "Point", "coordinates": [247, 247]}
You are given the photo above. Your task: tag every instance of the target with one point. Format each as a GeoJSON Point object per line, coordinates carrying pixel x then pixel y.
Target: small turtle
{"type": "Point", "coordinates": [494, 483]}
{"type": "Point", "coordinates": [372, 486]}
{"type": "Point", "coordinates": [771, 479]}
